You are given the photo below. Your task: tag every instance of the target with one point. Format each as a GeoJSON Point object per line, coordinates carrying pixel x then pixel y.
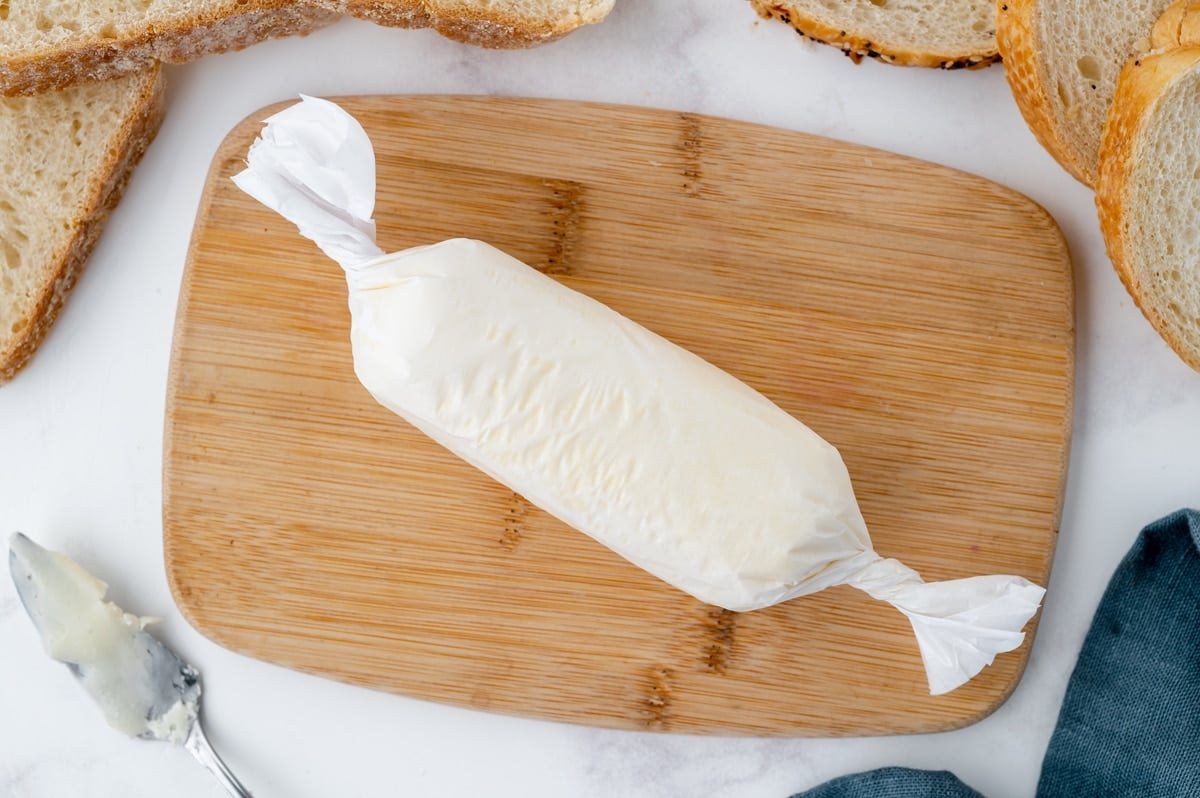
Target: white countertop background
{"type": "Point", "coordinates": [81, 433]}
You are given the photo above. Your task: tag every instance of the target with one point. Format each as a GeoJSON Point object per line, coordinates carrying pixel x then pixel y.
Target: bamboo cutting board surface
{"type": "Point", "coordinates": [918, 318]}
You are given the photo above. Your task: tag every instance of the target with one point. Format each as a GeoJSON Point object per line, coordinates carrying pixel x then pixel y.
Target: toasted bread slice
{"type": "Point", "coordinates": [67, 157]}
{"type": "Point", "coordinates": [1062, 59]}
{"type": "Point", "coordinates": [948, 34]}
{"type": "Point", "coordinates": [50, 44]}
{"type": "Point", "coordinates": [1148, 192]}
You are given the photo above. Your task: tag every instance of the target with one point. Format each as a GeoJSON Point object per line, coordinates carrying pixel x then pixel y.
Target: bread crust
{"type": "Point", "coordinates": [93, 58]}
{"type": "Point", "coordinates": [491, 28]}
{"type": "Point", "coordinates": [241, 23]}
{"type": "Point", "coordinates": [68, 260]}
{"type": "Point", "coordinates": [1030, 86]}
{"type": "Point", "coordinates": [1139, 90]}
{"type": "Point", "coordinates": [1178, 26]}
{"type": "Point", "coordinates": [857, 46]}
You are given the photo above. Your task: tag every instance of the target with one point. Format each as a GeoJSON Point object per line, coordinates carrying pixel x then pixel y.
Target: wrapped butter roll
{"type": "Point", "coordinates": [671, 462]}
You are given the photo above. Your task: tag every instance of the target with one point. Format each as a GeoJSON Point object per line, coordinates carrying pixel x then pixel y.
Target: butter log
{"type": "Point", "coordinates": [671, 462]}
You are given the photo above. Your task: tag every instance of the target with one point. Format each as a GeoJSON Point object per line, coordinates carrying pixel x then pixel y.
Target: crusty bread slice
{"type": "Point", "coordinates": [67, 156]}
{"type": "Point", "coordinates": [486, 23]}
{"type": "Point", "coordinates": [948, 34]}
{"type": "Point", "coordinates": [49, 44]}
{"type": "Point", "coordinates": [1062, 59]}
{"type": "Point", "coordinates": [1148, 192]}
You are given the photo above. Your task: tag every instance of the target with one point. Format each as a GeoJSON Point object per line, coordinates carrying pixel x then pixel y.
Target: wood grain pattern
{"type": "Point", "coordinates": [918, 318]}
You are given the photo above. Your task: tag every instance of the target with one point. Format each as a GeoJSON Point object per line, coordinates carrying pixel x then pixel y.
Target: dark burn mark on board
{"type": "Point", "coordinates": [566, 201]}
{"type": "Point", "coordinates": [719, 627]}
{"type": "Point", "coordinates": [514, 522]}
{"type": "Point", "coordinates": [657, 704]}
{"type": "Point", "coordinates": [691, 147]}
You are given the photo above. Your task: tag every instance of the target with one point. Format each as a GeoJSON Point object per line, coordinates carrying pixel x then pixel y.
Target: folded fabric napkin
{"type": "Point", "coordinates": [894, 783]}
{"type": "Point", "coordinates": [1130, 721]}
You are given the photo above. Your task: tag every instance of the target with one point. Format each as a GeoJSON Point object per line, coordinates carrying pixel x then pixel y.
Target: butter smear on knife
{"type": "Point", "coordinates": [107, 649]}
{"type": "Point", "coordinates": [671, 462]}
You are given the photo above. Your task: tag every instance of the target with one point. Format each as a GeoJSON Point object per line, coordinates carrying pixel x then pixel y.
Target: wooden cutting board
{"type": "Point", "coordinates": [917, 317]}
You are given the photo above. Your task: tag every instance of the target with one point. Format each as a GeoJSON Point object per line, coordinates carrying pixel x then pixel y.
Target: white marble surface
{"type": "Point", "coordinates": [82, 433]}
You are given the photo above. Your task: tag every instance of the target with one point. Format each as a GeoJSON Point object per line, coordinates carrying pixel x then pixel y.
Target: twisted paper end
{"type": "Point", "coordinates": [314, 165]}
{"type": "Point", "coordinates": [961, 624]}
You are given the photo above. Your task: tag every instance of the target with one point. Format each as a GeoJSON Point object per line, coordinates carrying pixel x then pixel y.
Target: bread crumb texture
{"type": "Point", "coordinates": [1162, 214]}
{"type": "Point", "coordinates": [29, 24]}
{"type": "Point", "coordinates": [1064, 64]}
{"type": "Point", "coordinates": [48, 44]}
{"type": "Point", "coordinates": [950, 34]}
{"type": "Point", "coordinates": [65, 159]}
{"type": "Point", "coordinates": [52, 147]}
{"type": "Point", "coordinates": [51, 45]}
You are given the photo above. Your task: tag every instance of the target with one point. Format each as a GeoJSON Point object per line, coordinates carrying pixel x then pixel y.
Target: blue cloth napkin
{"type": "Point", "coordinates": [1130, 720]}
{"type": "Point", "coordinates": [894, 783]}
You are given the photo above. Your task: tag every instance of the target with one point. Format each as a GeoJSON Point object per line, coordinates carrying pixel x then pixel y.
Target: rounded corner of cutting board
{"type": "Point", "coordinates": [235, 377]}
{"type": "Point", "coordinates": [256, 119]}
{"type": "Point", "coordinates": [179, 584]}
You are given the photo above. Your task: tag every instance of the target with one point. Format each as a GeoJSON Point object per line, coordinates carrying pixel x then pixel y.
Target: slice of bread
{"type": "Point", "coordinates": [485, 23]}
{"type": "Point", "coordinates": [948, 34]}
{"type": "Point", "coordinates": [1062, 59]}
{"type": "Point", "coordinates": [1148, 192]}
{"type": "Point", "coordinates": [49, 44]}
{"type": "Point", "coordinates": [67, 156]}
